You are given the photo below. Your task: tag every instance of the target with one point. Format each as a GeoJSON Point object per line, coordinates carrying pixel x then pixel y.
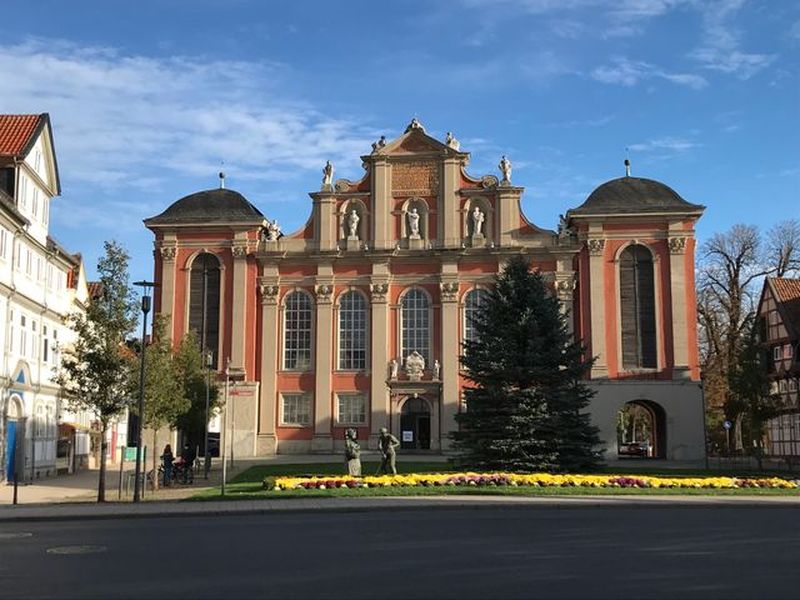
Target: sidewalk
{"type": "Point", "coordinates": [127, 510]}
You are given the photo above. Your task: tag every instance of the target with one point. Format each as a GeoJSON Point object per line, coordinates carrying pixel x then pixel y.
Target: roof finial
{"type": "Point", "coordinates": [222, 175]}
{"type": "Point", "coordinates": [627, 164]}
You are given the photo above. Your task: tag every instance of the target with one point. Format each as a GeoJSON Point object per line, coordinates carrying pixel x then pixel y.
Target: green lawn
{"type": "Point", "coordinates": [248, 484]}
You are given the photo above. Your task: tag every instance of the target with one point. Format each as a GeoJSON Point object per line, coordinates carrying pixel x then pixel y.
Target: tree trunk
{"type": "Point", "coordinates": [155, 459]}
{"type": "Point", "coordinates": [101, 486]}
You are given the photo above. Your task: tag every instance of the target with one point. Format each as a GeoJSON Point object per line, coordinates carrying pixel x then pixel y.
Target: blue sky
{"type": "Point", "coordinates": [148, 97]}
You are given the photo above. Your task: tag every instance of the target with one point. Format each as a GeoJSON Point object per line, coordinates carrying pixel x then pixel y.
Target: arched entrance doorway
{"type": "Point", "coordinates": [15, 432]}
{"type": "Point", "coordinates": [415, 424]}
{"type": "Point", "coordinates": [641, 430]}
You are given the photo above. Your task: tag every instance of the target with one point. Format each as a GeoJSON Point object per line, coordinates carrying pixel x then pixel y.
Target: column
{"type": "Point", "coordinates": [239, 308]}
{"type": "Point", "coordinates": [270, 292]}
{"type": "Point", "coordinates": [379, 357]}
{"type": "Point", "coordinates": [597, 287]}
{"type": "Point", "coordinates": [168, 250]}
{"type": "Point", "coordinates": [450, 367]}
{"type": "Point", "coordinates": [677, 278]}
{"type": "Point", "coordinates": [381, 204]}
{"type": "Point", "coordinates": [450, 205]}
{"type": "Point", "coordinates": [323, 365]}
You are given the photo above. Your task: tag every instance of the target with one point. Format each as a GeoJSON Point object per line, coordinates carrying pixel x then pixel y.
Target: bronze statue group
{"type": "Point", "coordinates": [386, 444]}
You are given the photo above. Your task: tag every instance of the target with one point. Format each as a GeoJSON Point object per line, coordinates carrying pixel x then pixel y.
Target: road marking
{"type": "Point", "coordinates": [77, 550]}
{"type": "Point", "coordinates": [13, 535]}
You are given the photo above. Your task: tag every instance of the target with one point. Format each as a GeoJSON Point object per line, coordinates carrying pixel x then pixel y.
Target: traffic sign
{"type": "Point", "coordinates": [727, 425]}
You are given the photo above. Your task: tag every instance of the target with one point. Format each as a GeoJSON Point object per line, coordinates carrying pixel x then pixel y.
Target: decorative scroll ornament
{"type": "Point", "coordinates": [565, 287]}
{"type": "Point", "coordinates": [489, 181]}
{"type": "Point", "coordinates": [323, 292]}
{"type": "Point", "coordinates": [269, 293]}
{"type": "Point", "coordinates": [168, 253]}
{"type": "Point", "coordinates": [239, 251]}
{"type": "Point", "coordinates": [449, 291]}
{"type": "Point", "coordinates": [378, 291]}
{"type": "Point", "coordinates": [677, 245]}
{"type": "Point", "coordinates": [596, 247]}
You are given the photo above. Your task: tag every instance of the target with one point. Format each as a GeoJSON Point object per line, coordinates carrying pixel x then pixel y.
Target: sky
{"type": "Point", "coordinates": [150, 99]}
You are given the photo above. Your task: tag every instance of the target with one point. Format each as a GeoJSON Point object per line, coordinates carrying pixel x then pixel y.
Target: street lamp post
{"type": "Point", "coordinates": [207, 457]}
{"type": "Point", "coordinates": [137, 483]}
{"type": "Point", "coordinates": [224, 435]}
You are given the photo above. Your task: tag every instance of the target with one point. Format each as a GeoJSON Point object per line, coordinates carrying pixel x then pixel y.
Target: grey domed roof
{"type": "Point", "coordinates": [210, 205]}
{"type": "Point", "coordinates": [630, 195]}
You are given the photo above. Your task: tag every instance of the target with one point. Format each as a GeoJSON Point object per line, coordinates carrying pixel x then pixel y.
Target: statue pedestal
{"type": "Point", "coordinates": [416, 243]}
{"type": "Point", "coordinates": [327, 187]}
{"type": "Point", "coordinates": [478, 241]}
{"type": "Point", "coordinates": [353, 244]}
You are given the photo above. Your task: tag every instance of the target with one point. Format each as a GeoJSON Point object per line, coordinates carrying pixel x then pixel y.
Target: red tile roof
{"type": "Point", "coordinates": [16, 132]}
{"type": "Point", "coordinates": [787, 293]}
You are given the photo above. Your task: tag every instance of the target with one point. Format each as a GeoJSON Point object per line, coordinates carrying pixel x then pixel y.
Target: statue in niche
{"type": "Point", "coordinates": [273, 230]}
{"type": "Point", "coordinates": [415, 366]}
{"type": "Point", "coordinates": [352, 453]}
{"type": "Point", "coordinates": [477, 221]}
{"type": "Point", "coordinates": [413, 224]}
{"type": "Point", "coordinates": [327, 176]}
{"type": "Point", "coordinates": [352, 224]}
{"type": "Point", "coordinates": [393, 368]}
{"type": "Point", "coordinates": [505, 169]}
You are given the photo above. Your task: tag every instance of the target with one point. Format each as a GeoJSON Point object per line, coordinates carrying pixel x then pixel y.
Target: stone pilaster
{"type": "Point", "coordinates": [270, 292]}
{"type": "Point", "coordinates": [597, 285]}
{"type": "Point", "coordinates": [507, 211]}
{"type": "Point", "coordinates": [239, 306]}
{"type": "Point", "coordinates": [381, 205]}
{"type": "Point", "coordinates": [168, 250]}
{"type": "Point", "coordinates": [326, 229]}
{"type": "Point", "coordinates": [677, 272]}
{"type": "Point", "coordinates": [379, 354]}
{"type": "Point", "coordinates": [323, 362]}
{"type": "Point", "coordinates": [450, 204]}
{"type": "Point", "coordinates": [565, 287]}
{"type": "Point", "coordinates": [450, 338]}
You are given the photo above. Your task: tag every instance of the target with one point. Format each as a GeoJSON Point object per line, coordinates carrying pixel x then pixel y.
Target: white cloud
{"type": "Point", "coordinates": [117, 117]}
{"type": "Point", "coordinates": [628, 72]}
{"type": "Point", "coordinates": [720, 48]}
{"type": "Point", "coordinates": [672, 144]}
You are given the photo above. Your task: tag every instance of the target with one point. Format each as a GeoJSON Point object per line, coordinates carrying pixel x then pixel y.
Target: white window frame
{"type": "Point", "coordinates": [311, 331]}
{"type": "Point", "coordinates": [429, 317]}
{"type": "Point", "coordinates": [342, 399]}
{"type": "Point", "coordinates": [776, 352]}
{"type": "Point", "coordinates": [467, 309]}
{"type": "Point", "coordinates": [299, 397]}
{"type": "Point", "coordinates": [341, 353]}
{"type": "Point", "coordinates": [4, 235]}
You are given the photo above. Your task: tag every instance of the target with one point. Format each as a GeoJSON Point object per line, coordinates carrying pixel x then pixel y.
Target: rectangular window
{"type": "Point", "coordinates": [28, 262]}
{"type": "Point", "coordinates": [35, 202]}
{"type": "Point", "coordinates": [296, 409]}
{"type": "Point", "coordinates": [45, 211]}
{"type": "Point", "coordinates": [782, 385]}
{"type": "Point", "coordinates": [352, 409]}
{"type": "Point", "coordinates": [4, 235]}
{"type": "Point", "coordinates": [23, 336]}
{"type": "Point", "coordinates": [11, 332]}
{"type": "Point", "coordinates": [56, 349]}
{"type": "Point", "coordinates": [45, 345]}
{"type": "Point", "coordinates": [793, 385]}
{"type": "Point", "coordinates": [776, 353]}
{"type": "Point", "coordinates": [17, 256]}
{"type": "Point", "coordinates": [34, 340]}
{"type": "Point", "coordinates": [787, 351]}
{"type": "Point", "coordinates": [22, 196]}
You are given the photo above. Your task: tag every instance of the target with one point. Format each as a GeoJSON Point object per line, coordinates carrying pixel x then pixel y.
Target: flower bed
{"type": "Point", "coordinates": [519, 480]}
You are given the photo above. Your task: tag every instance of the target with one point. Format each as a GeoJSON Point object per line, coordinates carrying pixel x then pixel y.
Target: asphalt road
{"type": "Point", "coordinates": [551, 552]}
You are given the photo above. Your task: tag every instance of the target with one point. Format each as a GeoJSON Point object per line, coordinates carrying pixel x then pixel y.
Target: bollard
{"type": "Point", "coordinates": [15, 486]}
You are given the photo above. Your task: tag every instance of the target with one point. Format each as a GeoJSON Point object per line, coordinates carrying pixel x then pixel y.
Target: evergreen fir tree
{"type": "Point", "coordinates": [526, 411]}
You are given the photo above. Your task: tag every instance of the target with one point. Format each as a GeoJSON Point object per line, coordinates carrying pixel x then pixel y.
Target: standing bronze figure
{"type": "Point", "coordinates": [387, 444]}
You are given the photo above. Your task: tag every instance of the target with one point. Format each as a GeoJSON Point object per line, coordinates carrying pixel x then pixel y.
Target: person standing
{"type": "Point", "coordinates": [387, 444]}
{"type": "Point", "coordinates": [167, 458]}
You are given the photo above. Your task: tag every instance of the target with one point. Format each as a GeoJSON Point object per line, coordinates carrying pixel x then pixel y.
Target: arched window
{"type": "Point", "coordinates": [415, 324]}
{"type": "Point", "coordinates": [638, 308]}
{"type": "Point", "coordinates": [297, 331]}
{"type": "Point", "coordinates": [473, 302]}
{"type": "Point", "coordinates": [352, 331]}
{"type": "Point", "coordinates": [204, 298]}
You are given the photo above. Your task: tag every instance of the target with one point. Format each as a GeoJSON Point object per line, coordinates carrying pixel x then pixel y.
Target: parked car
{"type": "Point", "coordinates": [635, 449]}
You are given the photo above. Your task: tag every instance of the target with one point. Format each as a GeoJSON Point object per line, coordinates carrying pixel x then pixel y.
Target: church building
{"type": "Point", "coordinates": [356, 319]}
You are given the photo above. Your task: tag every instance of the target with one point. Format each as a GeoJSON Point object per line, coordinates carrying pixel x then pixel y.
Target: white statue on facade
{"type": "Point", "coordinates": [505, 169]}
{"type": "Point", "coordinates": [327, 176]}
{"type": "Point", "coordinates": [352, 224]}
{"type": "Point", "coordinates": [451, 141]}
{"type": "Point", "coordinates": [437, 369]}
{"type": "Point", "coordinates": [393, 367]}
{"type": "Point", "coordinates": [564, 231]}
{"type": "Point", "coordinates": [477, 221]}
{"type": "Point", "coordinates": [379, 144]}
{"type": "Point", "coordinates": [273, 230]}
{"type": "Point", "coordinates": [415, 366]}
{"type": "Point", "coordinates": [413, 223]}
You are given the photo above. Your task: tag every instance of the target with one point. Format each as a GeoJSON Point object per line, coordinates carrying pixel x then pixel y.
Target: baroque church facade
{"type": "Point", "coordinates": [356, 319]}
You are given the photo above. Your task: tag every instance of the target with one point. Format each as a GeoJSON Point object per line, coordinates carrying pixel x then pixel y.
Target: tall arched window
{"type": "Point", "coordinates": [415, 316]}
{"type": "Point", "coordinates": [297, 331]}
{"type": "Point", "coordinates": [638, 308]}
{"type": "Point", "coordinates": [204, 298]}
{"type": "Point", "coordinates": [352, 331]}
{"type": "Point", "coordinates": [472, 305]}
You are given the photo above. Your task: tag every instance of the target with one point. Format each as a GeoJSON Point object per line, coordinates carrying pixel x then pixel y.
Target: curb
{"type": "Point", "coordinates": [84, 512]}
